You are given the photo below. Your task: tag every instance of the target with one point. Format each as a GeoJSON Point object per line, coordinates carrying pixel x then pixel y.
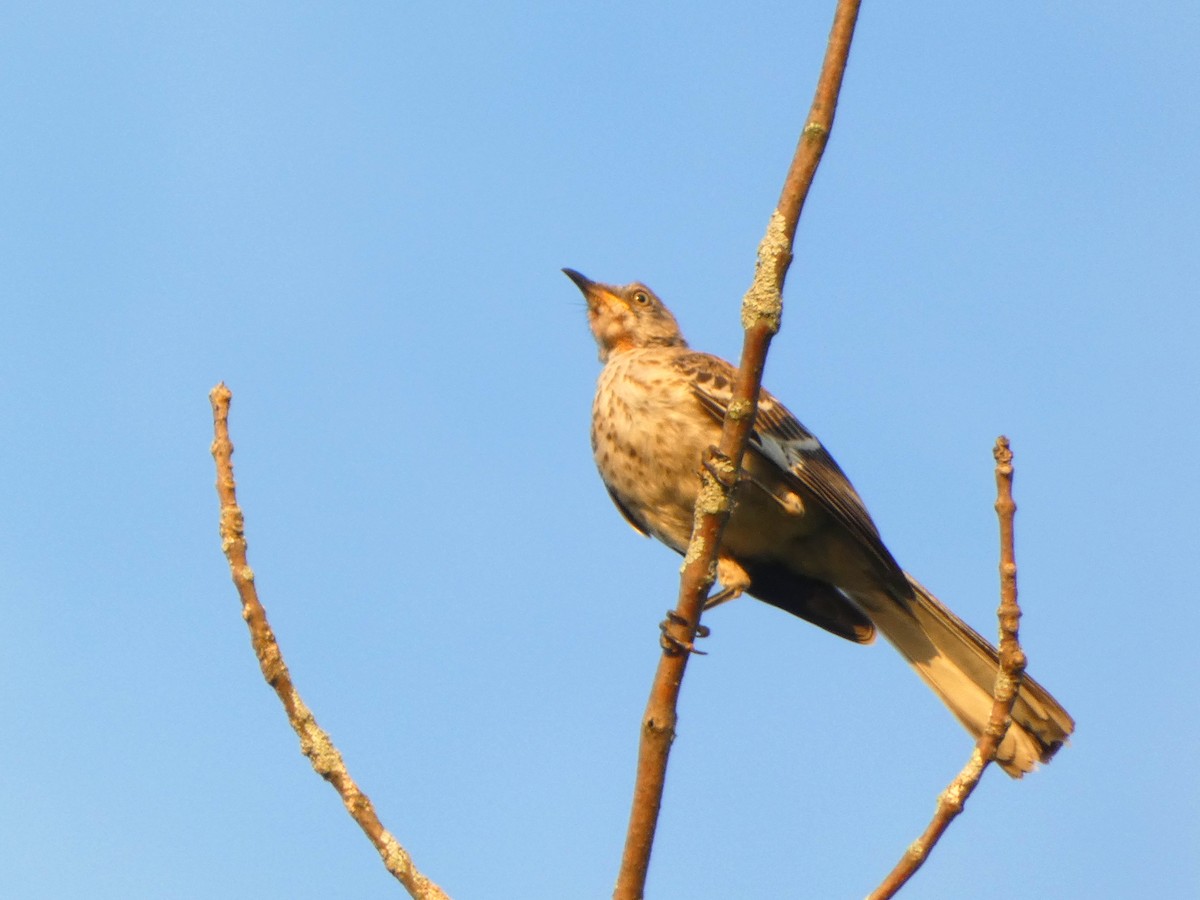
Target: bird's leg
{"type": "Point", "coordinates": [722, 596]}
{"type": "Point", "coordinates": [734, 582]}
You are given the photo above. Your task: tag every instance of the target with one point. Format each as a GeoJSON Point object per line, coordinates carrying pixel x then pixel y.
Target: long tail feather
{"type": "Point", "coordinates": [960, 666]}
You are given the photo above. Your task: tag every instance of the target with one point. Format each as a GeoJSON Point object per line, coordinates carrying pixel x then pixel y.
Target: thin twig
{"type": "Point", "coordinates": [314, 742]}
{"type": "Point", "coordinates": [761, 312]}
{"type": "Point", "coordinates": [1008, 682]}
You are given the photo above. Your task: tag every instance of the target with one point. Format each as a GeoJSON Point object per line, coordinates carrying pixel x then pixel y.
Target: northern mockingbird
{"type": "Point", "coordinates": [799, 536]}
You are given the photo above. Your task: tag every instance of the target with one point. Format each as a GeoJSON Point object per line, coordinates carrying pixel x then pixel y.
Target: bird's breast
{"type": "Point", "coordinates": [648, 434]}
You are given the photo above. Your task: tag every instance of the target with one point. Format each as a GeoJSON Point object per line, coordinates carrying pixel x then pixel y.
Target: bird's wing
{"type": "Point", "coordinates": [802, 462]}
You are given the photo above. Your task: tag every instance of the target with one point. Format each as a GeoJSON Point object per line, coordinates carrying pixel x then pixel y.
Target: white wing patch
{"type": "Point", "coordinates": [789, 452]}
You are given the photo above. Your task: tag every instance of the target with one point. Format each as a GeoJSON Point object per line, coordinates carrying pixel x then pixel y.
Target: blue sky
{"type": "Point", "coordinates": [356, 214]}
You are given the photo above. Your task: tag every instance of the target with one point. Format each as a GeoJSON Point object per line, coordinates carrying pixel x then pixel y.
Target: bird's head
{"type": "Point", "coordinates": [626, 317]}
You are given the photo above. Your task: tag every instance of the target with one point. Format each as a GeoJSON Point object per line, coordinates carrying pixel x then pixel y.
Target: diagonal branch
{"type": "Point", "coordinates": [314, 742]}
{"type": "Point", "coordinates": [761, 312]}
{"type": "Point", "coordinates": [1008, 682]}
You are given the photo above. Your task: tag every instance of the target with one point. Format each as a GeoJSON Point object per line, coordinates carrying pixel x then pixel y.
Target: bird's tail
{"type": "Point", "coordinates": [961, 667]}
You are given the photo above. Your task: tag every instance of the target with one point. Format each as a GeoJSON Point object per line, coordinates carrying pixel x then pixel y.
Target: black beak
{"type": "Point", "coordinates": [581, 281]}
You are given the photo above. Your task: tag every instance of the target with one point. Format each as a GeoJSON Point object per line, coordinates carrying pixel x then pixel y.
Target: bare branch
{"type": "Point", "coordinates": [761, 312]}
{"type": "Point", "coordinates": [1008, 682]}
{"type": "Point", "coordinates": [314, 742]}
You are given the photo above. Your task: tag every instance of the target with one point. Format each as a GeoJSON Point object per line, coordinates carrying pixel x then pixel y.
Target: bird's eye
{"type": "Point", "coordinates": [641, 298]}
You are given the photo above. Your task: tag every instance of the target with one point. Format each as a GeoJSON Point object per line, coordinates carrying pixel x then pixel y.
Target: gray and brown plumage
{"type": "Point", "coordinates": [799, 536]}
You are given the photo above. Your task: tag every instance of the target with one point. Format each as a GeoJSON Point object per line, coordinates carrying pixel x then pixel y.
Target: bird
{"type": "Point", "coordinates": [799, 537]}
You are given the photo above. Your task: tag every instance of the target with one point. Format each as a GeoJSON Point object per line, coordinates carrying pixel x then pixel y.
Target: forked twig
{"type": "Point", "coordinates": [314, 742]}
{"type": "Point", "coordinates": [1008, 682]}
{"type": "Point", "coordinates": [761, 312]}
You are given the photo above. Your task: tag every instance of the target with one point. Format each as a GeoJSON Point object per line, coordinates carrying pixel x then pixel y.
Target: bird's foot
{"type": "Point", "coordinates": [674, 645]}
{"type": "Point", "coordinates": [720, 467]}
